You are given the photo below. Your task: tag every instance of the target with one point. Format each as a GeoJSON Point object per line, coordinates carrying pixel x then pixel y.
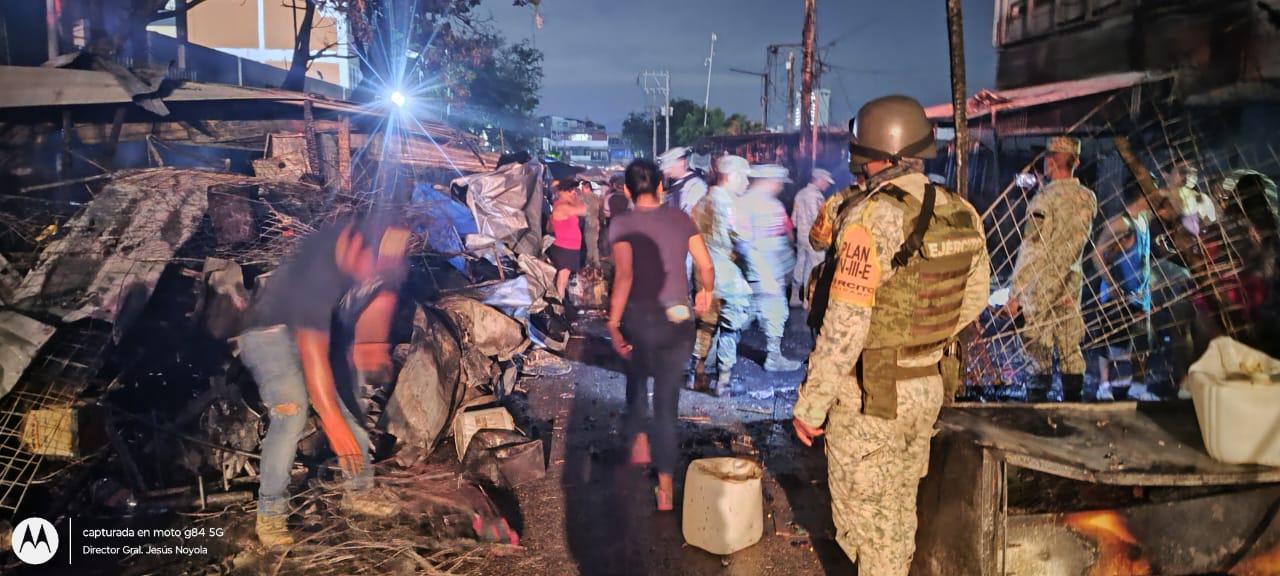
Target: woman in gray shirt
{"type": "Point", "coordinates": [650, 321]}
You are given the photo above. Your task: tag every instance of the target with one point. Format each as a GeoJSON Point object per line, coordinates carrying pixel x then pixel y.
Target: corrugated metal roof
{"type": "Point", "coordinates": [38, 87]}
{"type": "Point", "coordinates": [430, 144]}
{"type": "Point", "coordinates": [986, 101]}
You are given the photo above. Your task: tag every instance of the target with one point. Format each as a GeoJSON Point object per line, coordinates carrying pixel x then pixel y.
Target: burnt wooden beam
{"type": "Point", "coordinates": [209, 132]}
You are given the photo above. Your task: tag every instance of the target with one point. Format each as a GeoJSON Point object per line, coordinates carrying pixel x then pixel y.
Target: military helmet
{"type": "Point", "coordinates": [890, 128]}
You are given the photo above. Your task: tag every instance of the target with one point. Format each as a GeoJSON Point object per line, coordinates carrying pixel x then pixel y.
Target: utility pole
{"type": "Point", "coordinates": [706, 100]}
{"type": "Point", "coordinates": [955, 35]}
{"type": "Point", "coordinates": [658, 84]}
{"type": "Point", "coordinates": [806, 78]}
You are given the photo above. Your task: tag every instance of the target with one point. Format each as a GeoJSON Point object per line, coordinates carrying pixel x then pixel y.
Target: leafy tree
{"type": "Point", "coordinates": [504, 95]}
{"type": "Point", "coordinates": [686, 125]}
{"type": "Point", "coordinates": [637, 132]}
{"type": "Point", "coordinates": [452, 56]}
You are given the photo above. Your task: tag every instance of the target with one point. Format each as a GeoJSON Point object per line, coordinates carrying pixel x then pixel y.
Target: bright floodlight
{"type": "Point", "coordinates": [398, 99]}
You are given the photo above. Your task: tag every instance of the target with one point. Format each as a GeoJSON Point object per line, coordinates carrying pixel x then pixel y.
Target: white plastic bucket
{"type": "Point", "coordinates": [1239, 420]}
{"type": "Point", "coordinates": [723, 504]}
{"type": "Point", "coordinates": [1237, 402]}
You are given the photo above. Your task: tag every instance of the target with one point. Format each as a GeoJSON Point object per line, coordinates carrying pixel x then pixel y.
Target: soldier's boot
{"type": "Point", "coordinates": [1073, 387]}
{"type": "Point", "coordinates": [1038, 388]}
{"type": "Point", "coordinates": [724, 384]}
{"type": "Point", "coordinates": [698, 379]}
{"type": "Point", "coordinates": [776, 362]}
{"type": "Point", "coordinates": [273, 531]}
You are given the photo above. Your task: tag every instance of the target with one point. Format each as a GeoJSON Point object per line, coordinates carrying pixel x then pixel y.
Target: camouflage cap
{"type": "Point", "coordinates": [1064, 144]}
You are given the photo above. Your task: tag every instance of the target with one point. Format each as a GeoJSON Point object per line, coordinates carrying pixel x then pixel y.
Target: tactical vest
{"type": "Point", "coordinates": [917, 311]}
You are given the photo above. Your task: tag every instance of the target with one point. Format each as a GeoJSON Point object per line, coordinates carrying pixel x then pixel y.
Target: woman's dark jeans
{"type": "Point", "coordinates": [661, 350]}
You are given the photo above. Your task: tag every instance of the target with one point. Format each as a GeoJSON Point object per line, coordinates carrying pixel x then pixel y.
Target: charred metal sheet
{"type": "Point", "coordinates": [501, 203]}
{"type": "Point", "coordinates": [109, 257]}
{"type": "Point", "coordinates": [504, 458]}
{"type": "Point", "coordinates": [9, 280]}
{"type": "Point", "coordinates": [428, 389]}
{"type": "Point", "coordinates": [484, 328]}
{"type": "Point", "coordinates": [1125, 444]}
{"type": "Point", "coordinates": [20, 340]}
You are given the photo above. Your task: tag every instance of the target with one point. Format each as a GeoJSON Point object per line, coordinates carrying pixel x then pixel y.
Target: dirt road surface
{"type": "Point", "coordinates": [594, 513]}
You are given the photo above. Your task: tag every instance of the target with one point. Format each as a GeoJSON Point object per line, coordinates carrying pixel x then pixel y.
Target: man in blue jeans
{"type": "Point", "coordinates": [358, 265]}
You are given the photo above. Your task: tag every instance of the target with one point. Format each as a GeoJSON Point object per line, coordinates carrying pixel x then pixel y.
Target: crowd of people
{"type": "Point", "coordinates": [888, 272]}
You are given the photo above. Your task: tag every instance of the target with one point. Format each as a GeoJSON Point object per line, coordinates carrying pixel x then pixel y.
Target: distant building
{"type": "Point", "coordinates": [820, 112]}
{"type": "Point", "coordinates": [575, 141]}
{"type": "Point", "coordinates": [264, 31]}
{"type": "Point", "coordinates": [620, 151]}
{"type": "Point", "coordinates": [239, 42]}
{"type": "Point", "coordinates": [1210, 43]}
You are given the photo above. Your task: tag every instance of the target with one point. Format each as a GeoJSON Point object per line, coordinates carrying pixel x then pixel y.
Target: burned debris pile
{"type": "Point", "coordinates": [121, 394]}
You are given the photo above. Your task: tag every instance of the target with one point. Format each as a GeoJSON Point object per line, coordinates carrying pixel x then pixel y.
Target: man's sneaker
{"type": "Point", "coordinates": [273, 531]}
{"type": "Point", "coordinates": [370, 504]}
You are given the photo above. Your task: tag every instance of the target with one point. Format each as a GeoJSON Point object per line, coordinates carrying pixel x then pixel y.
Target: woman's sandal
{"type": "Point", "coordinates": [640, 451]}
{"type": "Point", "coordinates": [666, 500]}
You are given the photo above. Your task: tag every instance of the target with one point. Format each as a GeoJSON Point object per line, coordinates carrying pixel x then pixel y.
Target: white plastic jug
{"type": "Point", "coordinates": [723, 504]}
{"type": "Point", "coordinates": [1237, 402]}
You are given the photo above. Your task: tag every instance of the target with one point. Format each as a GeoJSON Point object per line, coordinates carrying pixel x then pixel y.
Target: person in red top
{"type": "Point", "coordinates": [566, 217]}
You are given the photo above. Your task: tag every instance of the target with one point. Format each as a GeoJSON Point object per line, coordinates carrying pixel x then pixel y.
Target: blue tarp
{"type": "Point", "coordinates": [445, 222]}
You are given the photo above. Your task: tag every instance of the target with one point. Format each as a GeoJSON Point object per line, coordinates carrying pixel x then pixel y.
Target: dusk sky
{"type": "Point", "coordinates": [595, 49]}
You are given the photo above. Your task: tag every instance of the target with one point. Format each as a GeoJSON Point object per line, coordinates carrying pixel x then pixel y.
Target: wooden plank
{"type": "Point", "coordinates": [961, 527]}
{"type": "Point", "coordinates": [1124, 444]}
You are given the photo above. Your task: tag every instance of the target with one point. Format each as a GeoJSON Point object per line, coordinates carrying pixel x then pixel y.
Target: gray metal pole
{"type": "Point", "coordinates": [655, 129]}
{"type": "Point", "coordinates": [666, 90]}
{"type": "Point", "coordinates": [706, 100]}
{"type": "Point", "coordinates": [955, 34]}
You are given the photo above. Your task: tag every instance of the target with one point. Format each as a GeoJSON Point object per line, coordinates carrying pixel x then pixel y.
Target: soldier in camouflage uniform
{"type": "Point", "coordinates": [911, 270]}
{"type": "Point", "coordinates": [1048, 275]}
{"type": "Point", "coordinates": [765, 239]}
{"type": "Point", "coordinates": [731, 312]}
